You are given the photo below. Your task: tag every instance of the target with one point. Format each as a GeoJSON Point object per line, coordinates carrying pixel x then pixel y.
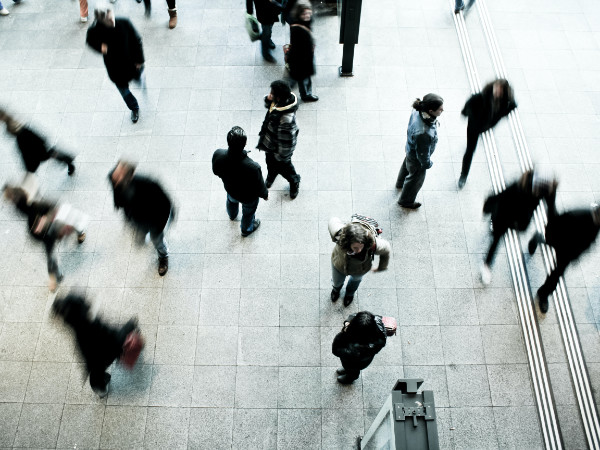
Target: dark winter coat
{"type": "Point", "coordinates": [34, 148]}
{"type": "Point", "coordinates": [301, 57]}
{"type": "Point", "coordinates": [358, 356]}
{"type": "Point", "coordinates": [242, 177]}
{"type": "Point", "coordinates": [124, 49]}
{"type": "Point", "coordinates": [34, 211]}
{"type": "Point", "coordinates": [145, 203]}
{"type": "Point", "coordinates": [481, 111]}
{"type": "Point", "coordinates": [267, 11]}
{"type": "Point", "coordinates": [421, 139]}
{"type": "Point", "coordinates": [279, 131]}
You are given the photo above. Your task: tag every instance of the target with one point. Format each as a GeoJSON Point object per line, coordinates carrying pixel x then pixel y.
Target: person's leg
{"type": "Point", "coordinates": [99, 380]}
{"type": "Point", "coordinates": [272, 168]}
{"type": "Point", "coordinates": [472, 137]}
{"type": "Point", "coordinates": [413, 183]}
{"type": "Point", "coordinates": [353, 283]}
{"type": "Point", "coordinates": [302, 88]}
{"type": "Point", "coordinates": [537, 239]}
{"type": "Point", "coordinates": [171, 4]}
{"type": "Point", "coordinates": [64, 158]}
{"type": "Point", "coordinates": [83, 9]}
{"type": "Point", "coordinates": [288, 171]}
{"type": "Point", "coordinates": [147, 8]}
{"type": "Point", "coordinates": [130, 100]}
{"type": "Point", "coordinates": [402, 174]}
{"type": "Point", "coordinates": [248, 210]}
{"type": "Point", "coordinates": [232, 206]}
{"type": "Point", "coordinates": [458, 5]}
{"type": "Point", "coordinates": [265, 40]}
{"type": "Point", "coordinates": [161, 246]}
{"type": "Point", "coordinates": [497, 235]}
{"type": "Point", "coordinates": [172, 13]}
{"type": "Point", "coordinates": [337, 279]}
{"type": "Point", "coordinates": [552, 280]}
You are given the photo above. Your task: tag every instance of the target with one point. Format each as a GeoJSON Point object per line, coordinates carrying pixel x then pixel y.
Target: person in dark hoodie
{"type": "Point", "coordinates": [242, 178]}
{"type": "Point", "coordinates": [146, 206]}
{"type": "Point", "coordinates": [362, 337]}
{"type": "Point", "coordinates": [278, 135]}
{"type": "Point", "coordinates": [570, 234]}
{"type": "Point", "coordinates": [48, 223]}
{"type": "Point", "coordinates": [121, 47]}
{"type": "Point", "coordinates": [301, 57]}
{"type": "Point", "coordinates": [484, 110]}
{"type": "Point", "coordinates": [33, 147]}
{"type": "Point", "coordinates": [99, 343]}
{"type": "Point", "coordinates": [267, 13]}
{"type": "Point", "coordinates": [513, 208]}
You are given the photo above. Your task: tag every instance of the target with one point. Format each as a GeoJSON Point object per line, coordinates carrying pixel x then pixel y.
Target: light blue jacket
{"type": "Point", "coordinates": [421, 139]}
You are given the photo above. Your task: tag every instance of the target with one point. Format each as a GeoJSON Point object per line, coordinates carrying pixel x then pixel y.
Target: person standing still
{"type": "Point", "coordinates": [278, 135]}
{"type": "Point", "coordinates": [121, 47]}
{"type": "Point", "coordinates": [301, 57]}
{"type": "Point", "coordinates": [421, 140]}
{"type": "Point", "coordinates": [267, 13]}
{"type": "Point", "coordinates": [242, 179]}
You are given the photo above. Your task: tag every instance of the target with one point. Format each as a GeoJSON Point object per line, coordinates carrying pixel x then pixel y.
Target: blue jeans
{"type": "Point", "coordinates": [265, 38]}
{"type": "Point", "coordinates": [459, 4]}
{"type": "Point", "coordinates": [130, 100]}
{"type": "Point", "coordinates": [248, 210]}
{"type": "Point", "coordinates": [338, 278]}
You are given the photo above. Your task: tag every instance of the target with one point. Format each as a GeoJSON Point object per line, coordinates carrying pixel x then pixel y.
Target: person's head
{"type": "Point", "coordinates": [14, 194]}
{"type": "Point", "coordinates": [280, 90]}
{"type": "Point", "coordinates": [236, 139]}
{"type": "Point", "coordinates": [538, 183]}
{"type": "Point", "coordinates": [302, 11]}
{"type": "Point", "coordinates": [354, 238]}
{"type": "Point", "coordinates": [363, 328]}
{"type": "Point", "coordinates": [73, 309]}
{"type": "Point", "coordinates": [13, 126]}
{"type": "Point", "coordinates": [431, 104]}
{"type": "Point", "coordinates": [122, 173]}
{"type": "Point", "coordinates": [105, 15]}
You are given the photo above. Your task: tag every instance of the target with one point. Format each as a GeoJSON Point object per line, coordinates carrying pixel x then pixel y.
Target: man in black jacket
{"type": "Point", "coordinates": [570, 234]}
{"type": "Point", "coordinates": [267, 13]}
{"type": "Point", "coordinates": [242, 179]}
{"type": "Point", "coordinates": [146, 206]}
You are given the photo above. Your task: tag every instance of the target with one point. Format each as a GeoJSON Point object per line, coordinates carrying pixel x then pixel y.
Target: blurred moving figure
{"type": "Point", "coordinates": [48, 223]}
{"type": "Point", "coordinates": [279, 134]}
{"type": "Point", "coordinates": [513, 208]}
{"type": "Point", "coordinates": [121, 47]}
{"type": "Point", "coordinates": [99, 343]}
{"type": "Point", "coordinates": [421, 140]}
{"type": "Point", "coordinates": [570, 234]}
{"type": "Point", "coordinates": [33, 147]}
{"type": "Point", "coordinates": [484, 110]}
{"type": "Point", "coordinates": [459, 5]}
{"type": "Point", "coordinates": [301, 57]}
{"type": "Point", "coordinates": [353, 256]}
{"type": "Point", "coordinates": [362, 337]}
{"type": "Point", "coordinates": [172, 8]}
{"type": "Point", "coordinates": [267, 13]}
{"type": "Point", "coordinates": [242, 178]}
{"type": "Point", "coordinates": [146, 205]}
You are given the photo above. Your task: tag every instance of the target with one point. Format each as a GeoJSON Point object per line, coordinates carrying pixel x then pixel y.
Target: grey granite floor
{"type": "Point", "coordinates": [239, 331]}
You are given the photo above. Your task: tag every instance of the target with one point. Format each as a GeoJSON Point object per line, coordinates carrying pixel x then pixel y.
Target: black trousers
{"type": "Point", "coordinates": [284, 168]}
{"type": "Point", "coordinates": [410, 179]}
{"type": "Point", "coordinates": [496, 236]}
{"type": "Point", "coordinates": [353, 368]}
{"type": "Point", "coordinates": [472, 138]}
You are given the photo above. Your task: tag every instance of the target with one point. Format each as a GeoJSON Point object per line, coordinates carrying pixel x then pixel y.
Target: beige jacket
{"type": "Point", "coordinates": [354, 266]}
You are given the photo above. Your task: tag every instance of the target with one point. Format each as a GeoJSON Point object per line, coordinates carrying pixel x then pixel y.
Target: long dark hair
{"type": "Point", "coordinates": [363, 328]}
{"type": "Point", "coordinates": [355, 233]}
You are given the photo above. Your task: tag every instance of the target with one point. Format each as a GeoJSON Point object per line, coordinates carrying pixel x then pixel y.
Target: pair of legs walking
{"type": "Point", "coordinates": [410, 179]}
{"type": "Point", "coordinates": [337, 281]}
{"type": "Point", "coordinates": [350, 370]}
{"type": "Point", "coordinates": [266, 44]}
{"type": "Point", "coordinates": [249, 223]}
{"type": "Point", "coordinates": [472, 138]}
{"type": "Point", "coordinates": [284, 168]}
{"type": "Point", "coordinates": [129, 98]}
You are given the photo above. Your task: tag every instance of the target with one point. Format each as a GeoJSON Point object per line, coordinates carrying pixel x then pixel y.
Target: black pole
{"type": "Point", "coordinates": [347, 61]}
{"type": "Point", "coordinates": [349, 29]}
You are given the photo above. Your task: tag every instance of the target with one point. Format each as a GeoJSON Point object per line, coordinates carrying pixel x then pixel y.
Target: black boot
{"type": "Point", "coordinates": [343, 379]}
{"type": "Point", "coordinates": [335, 294]}
{"type": "Point", "coordinates": [543, 299]}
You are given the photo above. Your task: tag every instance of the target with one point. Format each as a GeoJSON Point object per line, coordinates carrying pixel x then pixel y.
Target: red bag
{"type": "Point", "coordinates": [390, 325]}
{"type": "Point", "coordinates": [132, 347]}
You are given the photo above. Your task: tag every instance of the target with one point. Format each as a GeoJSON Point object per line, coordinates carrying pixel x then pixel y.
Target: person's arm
{"type": "Point", "coordinates": [382, 249]}
{"type": "Point", "coordinates": [136, 43]}
{"type": "Point", "coordinates": [93, 38]}
{"type": "Point", "coordinates": [467, 109]}
{"type": "Point", "coordinates": [423, 142]}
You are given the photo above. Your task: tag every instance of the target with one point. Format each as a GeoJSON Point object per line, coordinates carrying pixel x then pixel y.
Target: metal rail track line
{"type": "Point", "coordinates": [568, 327]}
{"type": "Point", "coordinates": [535, 353]}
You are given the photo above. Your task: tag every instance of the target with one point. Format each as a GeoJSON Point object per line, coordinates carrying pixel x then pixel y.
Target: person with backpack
{"type": "Point", "coordinates": [362, 337]}
{"type": "Point", "coordinates": [242, 178]}
{"type": "Point", "coordinates": [353, 255]}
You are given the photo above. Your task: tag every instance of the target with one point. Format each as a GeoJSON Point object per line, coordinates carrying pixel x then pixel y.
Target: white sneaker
{"type": "Point", "coordinates": [486, 274]}
{"type": "Point", "coordinates": [83, 19]}
{"type": "Point", "coordinates": [4, 12]}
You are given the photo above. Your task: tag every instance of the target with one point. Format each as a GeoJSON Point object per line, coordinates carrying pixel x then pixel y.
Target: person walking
{"type": "Point", "coordinates": [33, 147]}
{"type": "Point", "coordinates": [362, 337]}
{"type": "Point", "coordinates": [569, 234]}
{"type": "Point", "coordinates": [301, 56]}
{"type": "Point", "coordinates": [513, 208]}
{"type": "Point", "coordinates": [99, 343]}
{"type": "Point", "coordinates": [267, 13]}
{"type": "Point", "coordinates": [353, 255]}
{"type": "Point", "coordinates": [278, 135]}
{"type": "Point", "coordinates": [242, 179]}
{"type": "Point", "coordinates": [121, 47]}
{"type": "Point", "coordinates": [459, 5]}
{"type": "Point", "coordinates": [484, 110]}
{"type": "Point", "coordinates": [421, 139]}
{"type": "Point", "coordinates": [171, 8]}
{"type": "Point", "coordinates": [146, 205]}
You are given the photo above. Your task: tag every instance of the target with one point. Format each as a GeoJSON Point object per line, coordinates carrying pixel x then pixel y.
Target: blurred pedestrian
{"type": "Point", "coordinates": [99, 343]}
{"type": "Point", "coordinates": [267, 13]}
{"type": "Point", "coordinates": [146, 205]}
{"type": "Point", "coordinates": [301, 56]}
{"type": "Point", "coordinates": [33, 147]}
{"type": "Point", "coordinates": [484, 110]}
{"type": "Point", "coordinates": [421, 139]}
{"type": "Point", "coordinates": [242, 178]}
{"type": "Point", "coordinates": [362, 337]}
{"type": "Point", "coordinates": [121, 47]}
{"type": "Point", "coordinates": [569, 234]}
{"type": "Point", "coordinates": [513, 208]}
{"type": "Point", "coordinates": [459, 5]}
{"type": "Point", "coordinates": [353, 256]}
{"type": "Point", "coordinates": [171, 7]}
{"type": "Point", "coordinates": [278, 135]}
{"type": "Point", "coordinates": [49, 223]}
